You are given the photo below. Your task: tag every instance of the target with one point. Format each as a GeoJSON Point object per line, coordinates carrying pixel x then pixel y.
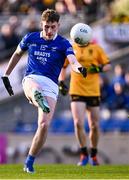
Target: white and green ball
{"type": "Point", "coordinates": [81, 33]}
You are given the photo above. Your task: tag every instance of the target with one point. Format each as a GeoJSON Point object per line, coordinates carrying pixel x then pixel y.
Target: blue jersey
{"type": "Point", "coordinates": [45, 57]}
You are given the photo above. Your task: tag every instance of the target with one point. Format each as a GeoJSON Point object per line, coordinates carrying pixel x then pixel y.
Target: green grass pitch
{"type": "Point", "coordinates": [63, 171]}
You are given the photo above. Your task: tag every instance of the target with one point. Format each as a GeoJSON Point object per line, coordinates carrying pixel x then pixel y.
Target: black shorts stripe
{"type": "Point", "coordinates": [89, 100]}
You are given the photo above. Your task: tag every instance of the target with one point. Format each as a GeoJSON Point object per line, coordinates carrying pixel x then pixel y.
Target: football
{"type": "Point", "coordinates": [81, 33]}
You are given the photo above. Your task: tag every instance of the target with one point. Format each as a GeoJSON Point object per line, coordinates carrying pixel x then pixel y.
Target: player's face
{"type": "Point", "coordinates": [49, 29]}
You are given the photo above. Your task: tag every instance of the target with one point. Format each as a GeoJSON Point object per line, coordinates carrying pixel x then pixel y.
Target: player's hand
{"type": "Point", "coordinates": [83, 71]}
{"type": "Point", "coordinates": [63, 89]}
{"type": "Point", "coordinates": [7, 85]}
{"type": "Point", "coordinates": [94, 69]}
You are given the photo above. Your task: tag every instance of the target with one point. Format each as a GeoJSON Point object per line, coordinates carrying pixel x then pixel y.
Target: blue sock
{"type": "Point", "coordinates": [30, 160]}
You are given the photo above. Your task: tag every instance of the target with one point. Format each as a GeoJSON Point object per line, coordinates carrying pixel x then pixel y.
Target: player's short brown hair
{"type": "Point", "coordinates": [50, 15]}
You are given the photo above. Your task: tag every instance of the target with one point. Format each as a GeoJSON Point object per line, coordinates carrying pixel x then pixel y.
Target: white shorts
{"type": "Point", "coordinates": [49, 87]}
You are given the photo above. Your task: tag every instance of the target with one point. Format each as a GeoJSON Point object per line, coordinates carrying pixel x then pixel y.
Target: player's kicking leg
{"type": "Point", "coordinates": [35, 95]}
{"type": "Point", "coordinates": [42, 102]}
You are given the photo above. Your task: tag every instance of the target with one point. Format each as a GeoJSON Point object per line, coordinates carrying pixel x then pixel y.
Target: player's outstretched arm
{"type": "Point", "coordinates": [76, 66]}
{"type": "Point", "coordinates": [12, 63]}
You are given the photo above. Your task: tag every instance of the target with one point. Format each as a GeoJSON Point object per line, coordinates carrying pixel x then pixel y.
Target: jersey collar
{"type": "Point", "coordinates": [41, 36]}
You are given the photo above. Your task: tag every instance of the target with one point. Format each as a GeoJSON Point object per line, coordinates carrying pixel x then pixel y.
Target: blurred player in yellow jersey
{"type": "Point", "coordinates": [85, 97]}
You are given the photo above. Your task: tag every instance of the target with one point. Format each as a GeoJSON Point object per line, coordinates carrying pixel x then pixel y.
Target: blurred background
{"type": "Point", "coordinates": [18, 119]}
